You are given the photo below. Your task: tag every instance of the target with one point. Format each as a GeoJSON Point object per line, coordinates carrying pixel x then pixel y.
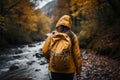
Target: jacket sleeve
{"type": "Point", "coordinates": [77, 55]}
{"type": "Point", "coordinates": [45, 48]}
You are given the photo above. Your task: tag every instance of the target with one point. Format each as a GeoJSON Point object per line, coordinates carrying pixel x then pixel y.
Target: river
{"type": "Point", "coordinates": [24, 62]}
{"type": "Point", "coordinates": [27, 63]}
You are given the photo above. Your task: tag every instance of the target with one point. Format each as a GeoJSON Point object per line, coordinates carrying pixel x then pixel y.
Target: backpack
{"type": "Point", "coordinates": [60, 51]}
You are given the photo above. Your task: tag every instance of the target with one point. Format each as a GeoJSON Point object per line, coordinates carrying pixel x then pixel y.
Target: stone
{"type": "Point", "coordinates": [85, 57]}
{"type": "Point", "coordinates": [30, 63]}
{"type": "Point", "coordinates": [38, 55]}
{"type": "Point", "coordinates": [31, 45]}
{"type": "Point", "coordinates": [37, 70]}
{"type": "Point", "coordinates": [17, 57]}
{"type": "Point", "coordinates": [39, 44]}
{"type": "Point", "coordinates": [43, 62]}
{"type": "Point", "coordinates": [18, 51]}
{"type": "Point", "coordinates": [14, 67]}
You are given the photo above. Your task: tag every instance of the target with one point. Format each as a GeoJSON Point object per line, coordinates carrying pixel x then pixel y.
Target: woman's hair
{"type": "Point", "coordinates": [63, 29]}
{"type": "Point", "coordinates": [66, 30]}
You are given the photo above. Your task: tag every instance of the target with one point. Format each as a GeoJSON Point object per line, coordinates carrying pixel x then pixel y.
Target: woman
{"type": "Point", "coordinates": [64, 25]}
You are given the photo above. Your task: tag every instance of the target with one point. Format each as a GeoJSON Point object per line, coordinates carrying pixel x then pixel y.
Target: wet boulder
{"type": "Point", "coordinates": [42, 62]}
{"type": "Point", "coordinates": [17, 57]}
{"type": "Point", "coordinates": [37, 70]}
{"type": "Point", "coordinates": [40, 50]}
{"type": "Point", "coordinates": [39, 44]}
{"type": "Point", "coordinates": [31, 45]}
{"type": "Point", "coordinates": [30, 63]}
{"type": "Point", "coordinates": [14, 67]}
{"type": "Point", "coordinates": [38, 55]}
{"type": "Point", "coordinates": [22, 46]}
{"type": "Point", "coordinates": [18, 51]}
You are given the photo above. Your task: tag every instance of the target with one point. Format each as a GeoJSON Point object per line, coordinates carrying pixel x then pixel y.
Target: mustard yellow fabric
{"type": "Point", "coordinates": [64, 20]}
{"type": "Point", "coordinates": [62, 40]}
{"type": "Point", "coordinates": [75, 61]}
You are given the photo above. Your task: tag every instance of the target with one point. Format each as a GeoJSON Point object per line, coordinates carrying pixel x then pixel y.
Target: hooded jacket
{"type": "Point", "coordinates": [75, 60]}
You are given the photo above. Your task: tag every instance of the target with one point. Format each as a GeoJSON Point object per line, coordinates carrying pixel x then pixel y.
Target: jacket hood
{"type": "Point", "coordinates": [65, 21]}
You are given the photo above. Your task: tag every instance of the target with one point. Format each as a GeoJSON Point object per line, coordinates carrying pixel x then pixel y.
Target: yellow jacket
{"type": "Point", "coordinates": [75, 60]}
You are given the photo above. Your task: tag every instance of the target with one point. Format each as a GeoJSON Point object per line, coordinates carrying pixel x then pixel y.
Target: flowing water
{"type": "Point", "coordinates": [27, 64]}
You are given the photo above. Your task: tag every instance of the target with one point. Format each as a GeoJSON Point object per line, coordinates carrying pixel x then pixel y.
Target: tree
{"type": "Point", "coordinates": [20, 21]}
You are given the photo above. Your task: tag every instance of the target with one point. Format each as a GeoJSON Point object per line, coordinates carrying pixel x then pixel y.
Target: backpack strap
{"type": "Point", "coordinates": [71, 36]}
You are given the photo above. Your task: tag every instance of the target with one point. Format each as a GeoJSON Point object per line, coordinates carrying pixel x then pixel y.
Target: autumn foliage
{"type": "Point", "coordinates": [20, 22]}
{"type": "Point", "coordinates": [96, 22]}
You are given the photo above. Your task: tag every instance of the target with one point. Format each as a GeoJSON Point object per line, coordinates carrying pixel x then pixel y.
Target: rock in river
{"type": "Point", "coordinates": [43, 62]}
{"type": "Point", "coordinates": [14, 67]}
{"type": "Point", "coordinates": [18, 51]}
{"type": "Point", "coordinates": [38, 55]}
{"type": "Point", "coordinates": [31, 45]}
